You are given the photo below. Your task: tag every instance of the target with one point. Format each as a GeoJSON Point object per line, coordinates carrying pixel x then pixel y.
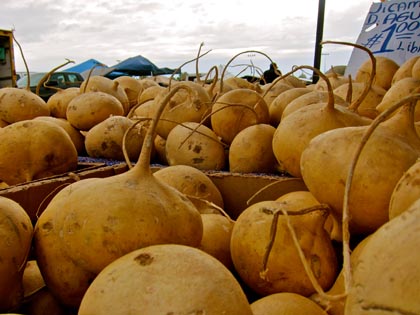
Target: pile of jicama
{"type": "Point", "coordinates": [163, 242]}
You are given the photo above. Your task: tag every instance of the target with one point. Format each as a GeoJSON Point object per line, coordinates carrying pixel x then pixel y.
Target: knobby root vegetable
{"type": "Point", "coordinates": [90, 108]}
{"type": "Point", "coordinates": [193, 183]}
{"type": "Point", "coordinates": [106, 139]}
{"type": "Point", "coordinates": [265, 254]}
{"type": "Point", "coordinates": [34, 149]}
{"type": "Point", "coordinates": [92, 222]}
{"type": "Point", "coordinates": [286, 303]}
{"type": "Point", "coordinates": [16, 232]}
{"type": "Point", "coordinates": [21, 104]}
{"type": "Point", "coordinates": [386, 274]}
{"type": "Point", "coordinates": [196, 145]}
{"type": "Point", "coordinates": [251, 150]}
{"type": "Point", "coordinates": [165, 279]}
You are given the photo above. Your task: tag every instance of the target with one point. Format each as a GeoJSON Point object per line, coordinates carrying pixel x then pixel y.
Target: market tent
{"type": "Point", "coordinates": [86, 66]}
{"type": "Point", "coordinates": [140, 66]}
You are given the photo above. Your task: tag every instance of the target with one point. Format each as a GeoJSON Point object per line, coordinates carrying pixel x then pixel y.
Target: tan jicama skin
{"type": "Point", "coordinates": [264, 252]}
{"type": "Point", "coordinates": [415, 71]}
{"type": "Point", "coordinates": [294, 132]}
{"type": "Point", "coordinates": [183, 107]}
{"type": "Point", "coordinates": [217, 231]}
{"type": "Point", "coordinates": [368, 106]}
{"type": "Point", "coordinates": [235, 110]}
{"type": "Point", "coordinates": [386, 274]}
{"type": "Point", "coordinates": [160, 156]}
{"type": "Point", "coordinates": [106, 218]}
{"type": "Point", "coordinates": [207, 286]}
{"type": "Point", "coordinates": [59, 101]}
{"type": "Point", "coordinates": [149, 93]}
{"type": "Point", "coordinates": [34, 149]}
{"type": "Point", "coordinates": [397, 91]}
{"type": "Point", "coordinates": [106, 139]}
{"type": "Point", "coordinates": [286, 303]}
{"type": "Point", "coordinates": [90, 108]}
{"type": "Point", "coordinates": [61, 274]}
{"type": "Point", "coordinates": [394, 147]}
{"type": "Point", "coordinates": [251, 150]}
{"type": "Point", "coordinates": [405, 70]}
{"type": "Point", "coordinates": [98, 83]}
{"type": "Point", "coordinates": [385, 70]}
{"type": "Point", "coordinates": [75, 135]}
{"type": "Point", "coordinates": [274, 91]}
{"type": "Point", "coordinates": [313, 97]}
{"type": "Point", "coordinates": [335, 80]}
{"type": "Point", "coordinates": [16, 232]}
{"type": "Point", "coordinates": [280, 103]}
{"type": "Point", "coordinates": [406, 191]}
{"type": "Point", "coordinates": [38, 298]}
{"type": "Point", "coordinates": [193, 183]}
{"type": "Point", "coordinates": [336, 306]}
{"type": "Point", "coordinates": [304, 199]}
{"type": "Point", "coordinates": [195, 145]}
{"type": "Point", "coordinates": [132, 88]}
{"type": "Point", "coordinates": [21, 104]}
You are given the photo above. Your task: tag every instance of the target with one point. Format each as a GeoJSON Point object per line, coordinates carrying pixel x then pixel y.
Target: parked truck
{"type": "Point", "coordinates": [8, 76]}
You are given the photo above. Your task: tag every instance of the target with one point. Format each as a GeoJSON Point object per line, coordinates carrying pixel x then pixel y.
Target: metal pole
{"type": "Point", "coordinates": [319, 34]}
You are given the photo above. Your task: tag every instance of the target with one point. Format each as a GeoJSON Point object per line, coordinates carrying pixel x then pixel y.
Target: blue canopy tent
{"type": "Point", "coordinates": [86, 65]}
{"type": "Point", "coordinates": [139, 66]}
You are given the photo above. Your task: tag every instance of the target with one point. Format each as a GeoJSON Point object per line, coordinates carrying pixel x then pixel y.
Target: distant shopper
{"type": "Point", "coordinates": [270, 74]}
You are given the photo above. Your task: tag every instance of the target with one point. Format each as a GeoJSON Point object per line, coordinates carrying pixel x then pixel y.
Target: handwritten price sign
{"type": "Point", "coordinates": [391, 29]}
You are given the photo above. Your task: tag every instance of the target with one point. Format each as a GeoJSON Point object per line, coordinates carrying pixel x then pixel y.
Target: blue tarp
{"type": "Point", "coordinates": [140, 66]}
{"type": "Point", "coordinates": [86, 65]}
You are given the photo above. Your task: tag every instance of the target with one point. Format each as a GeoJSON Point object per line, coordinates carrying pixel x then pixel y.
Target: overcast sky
{"type": "Point", "coordinates": [169, 33]}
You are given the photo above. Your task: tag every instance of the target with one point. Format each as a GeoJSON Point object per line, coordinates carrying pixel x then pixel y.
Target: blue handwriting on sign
{"type": "Point", "coordinates": [402, 32]}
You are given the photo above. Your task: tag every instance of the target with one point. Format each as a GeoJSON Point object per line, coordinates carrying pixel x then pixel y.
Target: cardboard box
{"type": "Point", "coordinates": [238, 190]}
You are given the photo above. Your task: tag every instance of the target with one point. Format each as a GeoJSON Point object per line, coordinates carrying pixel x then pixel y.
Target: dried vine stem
{"type": "Point", "coordinates": [273, 232]}
{"type": "Point", "coordinates": [355, 105]}
{"type": "Point", "coordinates": [47, 77]}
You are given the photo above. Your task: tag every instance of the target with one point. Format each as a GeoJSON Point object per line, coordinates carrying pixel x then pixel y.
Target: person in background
{"type": "Point", "coordinates": [271, 74]}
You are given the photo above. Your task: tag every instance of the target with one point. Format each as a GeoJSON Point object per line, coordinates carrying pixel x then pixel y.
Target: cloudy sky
{"type": "Point", "coordinates": [169, 33]}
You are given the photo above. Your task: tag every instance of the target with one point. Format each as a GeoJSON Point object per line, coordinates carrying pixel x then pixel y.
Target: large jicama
{"type": "Point", "coordinates": [194, 144]}
{"type": "Point", "coordinates": [110, 137]}
{"type": "Point", "coordinates": [95, 221]}
{"type": "Point", "coordinates": [34, 149]}
{"type": "Point", "coordinates": [59, 101]}
{"type": "Point", "coordinates": [15, 243]}
{"type": "Point", "coordinates": [406, 69]}
{"type": "Point", "coordinates": [98, 83]}
{"type": "Point", "coordinates": [385, 68]}
{"type": "Point", "coordinates": [76, 136]}
{"type": "Point", "coordinates": [294, 132]}
{"type": "Point", "coordinates": [88, 109]}
{"type": "Point", "coordinates": [193, 183]}
{"type": "Point", "coordinates": [21, 104]}
{"type": "Point", "coordinates": [264, 248]}
{"type": "Point", "coordinates": [286, 303]}
{"type": "Point", "coordinates": [390, 151]}
{"type": "Point", "coordinates": [38, 298]}
{"type": "Point", "coordinates": [386, 273]}
{"type": "Point", "coordinates": [251, 150]}
{"type": "Point", "coordinates": [183, 107]}
{"type": "Point", "coordinates": [237, 109]}
{"type": "Point", "coordinates": [217, 231]}
{"type": "Point", "coordinates": [399, 90]}
{"type": "Point", "coordinates": [406, 191]}
{"type": "Point", "coordinates": [165, 279]}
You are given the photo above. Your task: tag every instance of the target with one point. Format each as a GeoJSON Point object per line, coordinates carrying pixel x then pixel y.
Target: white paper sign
{"type": "Point", "coordinates": [391, 29]}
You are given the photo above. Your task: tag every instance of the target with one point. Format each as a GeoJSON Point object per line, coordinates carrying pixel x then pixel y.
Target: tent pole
{"type": "Point", "coordinates": [319, 34]}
